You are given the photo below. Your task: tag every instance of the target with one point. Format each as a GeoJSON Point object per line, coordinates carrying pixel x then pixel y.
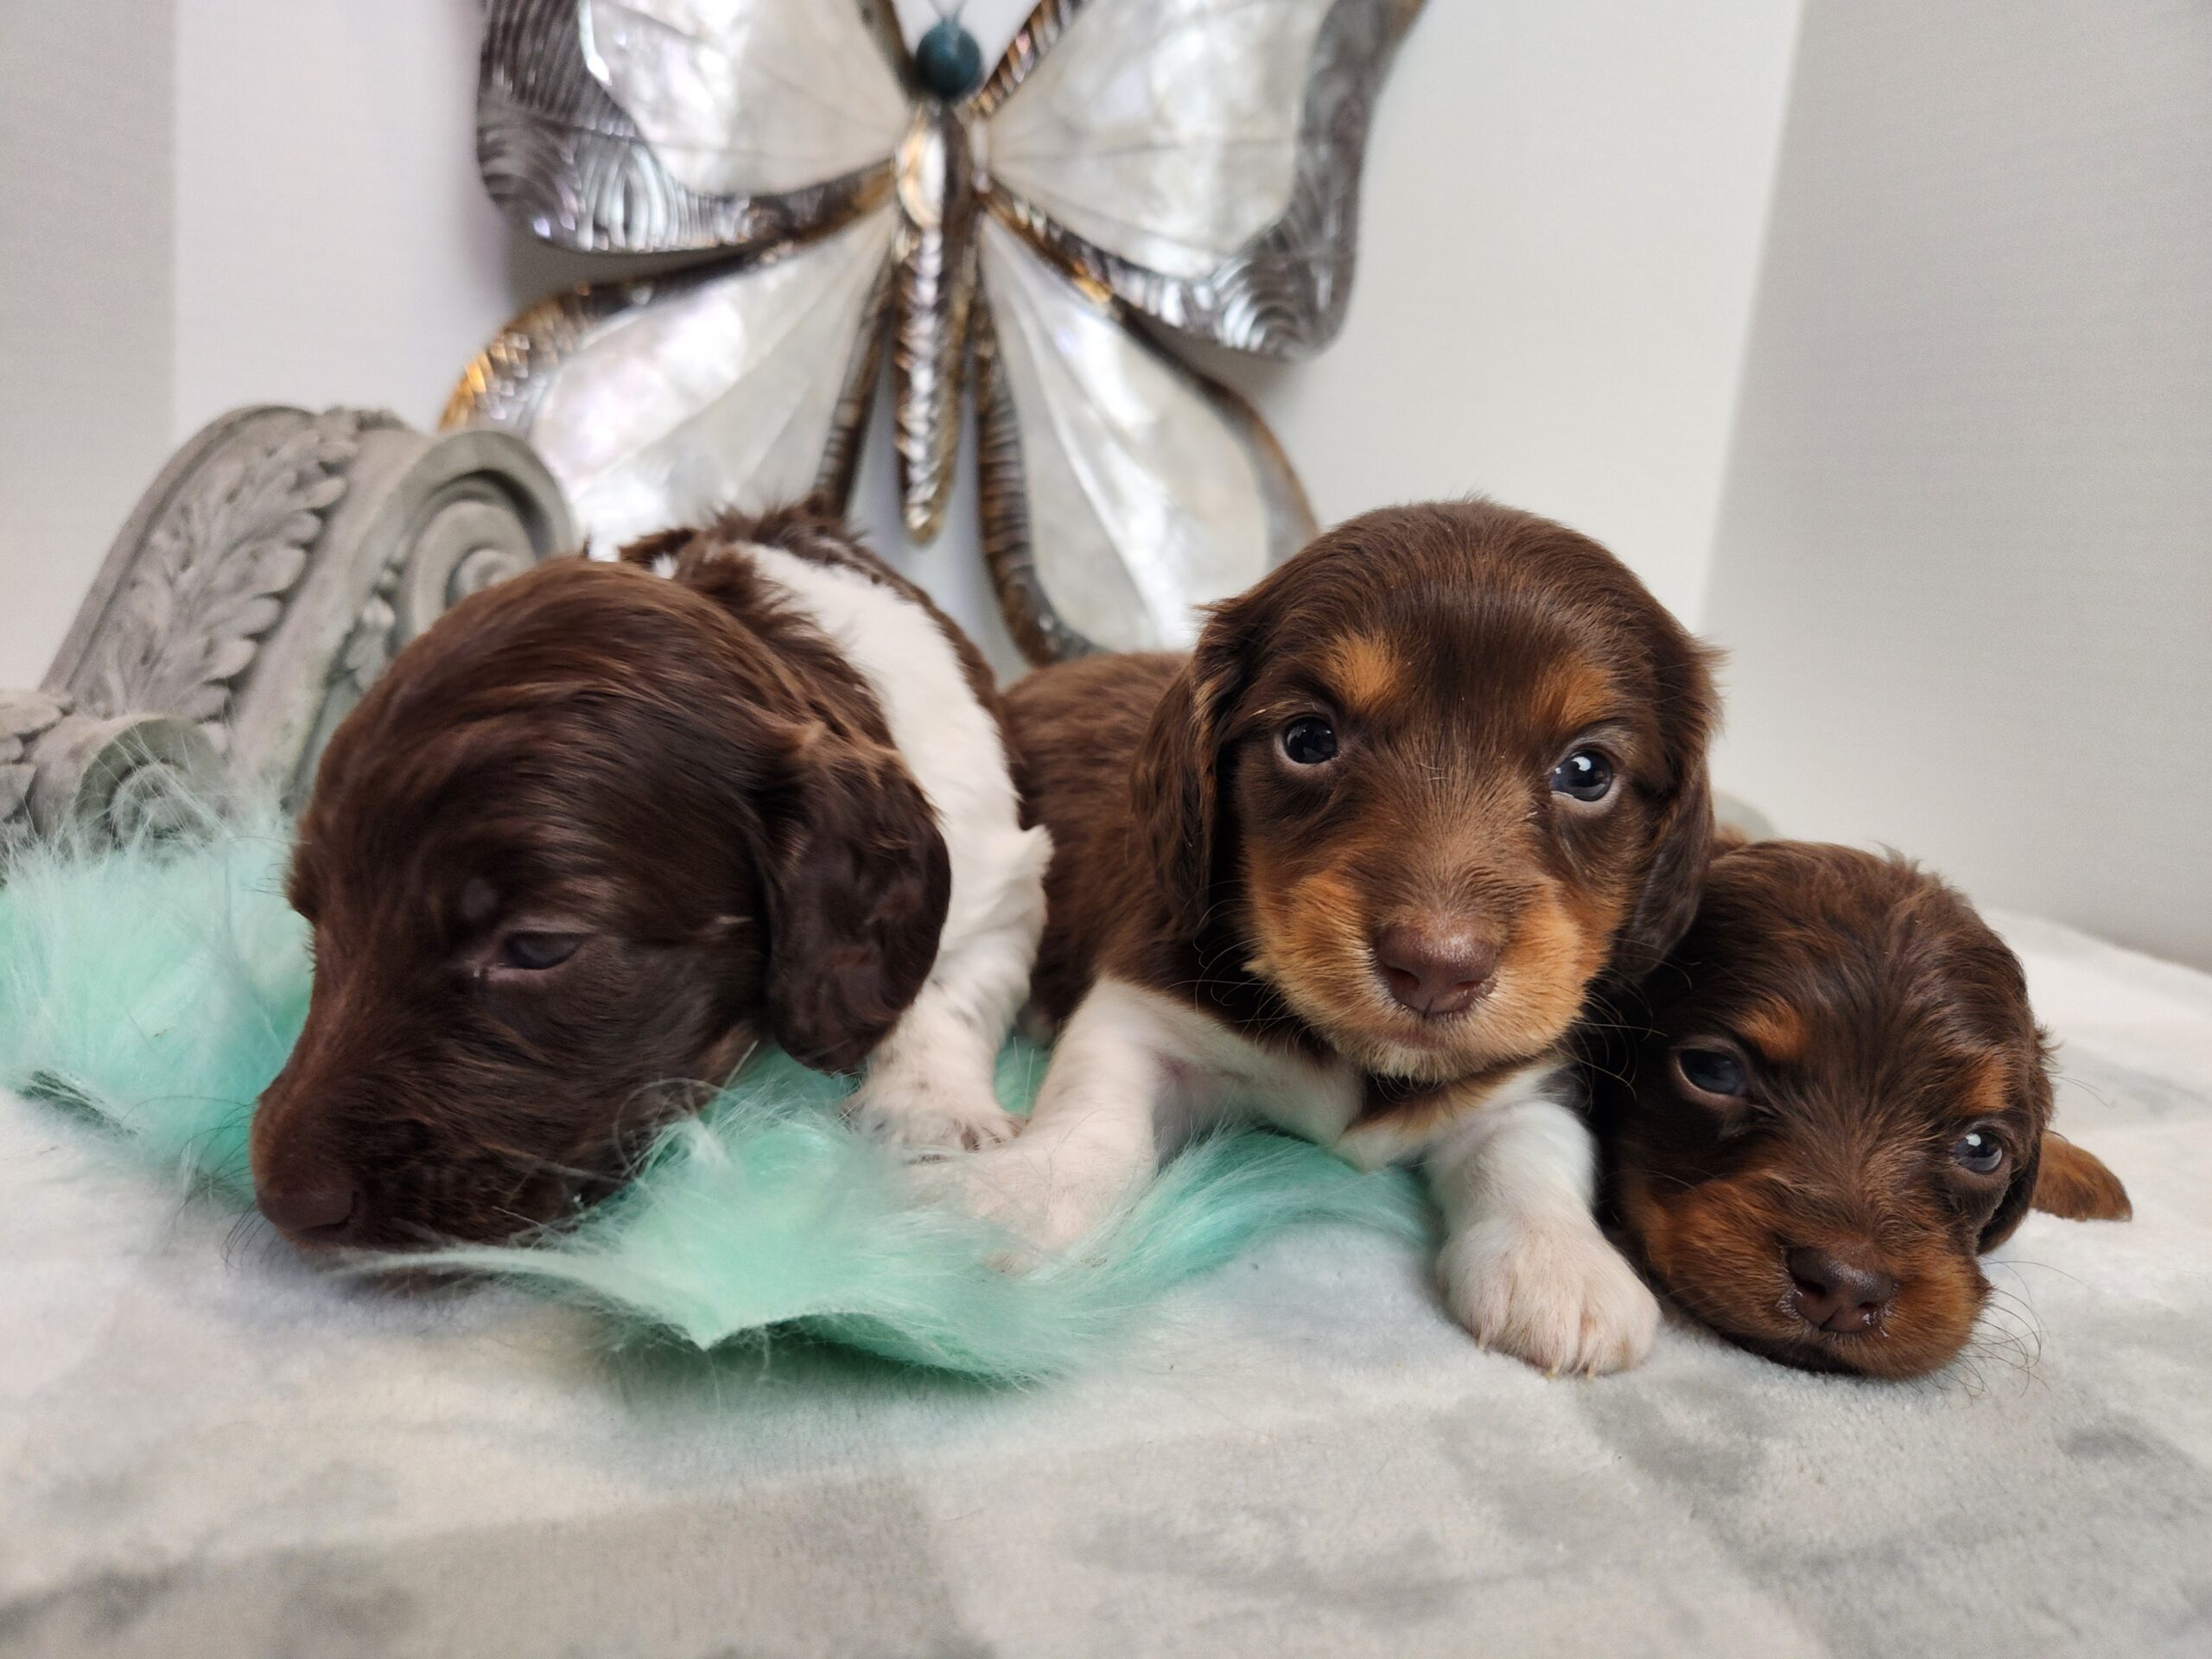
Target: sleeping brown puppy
{"type": "Point", "coordinates": [609, 826]}
{"type": "Point", "coordinates": [1842, 1098]}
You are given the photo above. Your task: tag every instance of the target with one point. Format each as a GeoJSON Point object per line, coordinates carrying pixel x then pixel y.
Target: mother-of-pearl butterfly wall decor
{"type": "Point", "coordinates": [1130, 169]}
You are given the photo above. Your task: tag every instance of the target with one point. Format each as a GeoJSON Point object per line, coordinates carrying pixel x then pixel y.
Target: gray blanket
{"type": "Point", "coordinates": [208, 1448]}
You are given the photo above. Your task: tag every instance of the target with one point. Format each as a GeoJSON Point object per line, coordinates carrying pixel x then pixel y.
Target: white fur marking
{"type": "Point", "coordinates": [1525, 1265]}
{"type": "Point", "coordinates": [929, 1082]}
{"type": "Point", "coordinates": [1134, 1072]}
{"type": "Point", "coordinates": [1093, 1142]}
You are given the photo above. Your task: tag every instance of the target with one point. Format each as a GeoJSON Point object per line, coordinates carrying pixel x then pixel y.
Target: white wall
{"type": "Point", "coordinates": [1564, 206]}
{"type": "Point", "coordinates": [1965, 568]}
{"type": "Point", "coordinates": [332, 243]}
{"type": "Point", "coordinates": [86, 345]}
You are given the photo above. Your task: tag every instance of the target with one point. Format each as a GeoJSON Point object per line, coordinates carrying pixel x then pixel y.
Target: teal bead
{"type": "Point", "coordinates": [948, 61]}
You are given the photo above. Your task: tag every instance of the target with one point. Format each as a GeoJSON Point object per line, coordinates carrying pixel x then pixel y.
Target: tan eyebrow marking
{"type": "Point", "coordinates": [1367, 672]}
{"type": "Point", "coordinates": [1988, 1091]}
{"type": "Point", "coordinates": [1777, 1031]}
{"type": "Point", "coordinates": [1572, 693]}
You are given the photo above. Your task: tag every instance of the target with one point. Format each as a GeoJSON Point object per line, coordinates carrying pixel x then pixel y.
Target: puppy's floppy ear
{"type": "Point", "coordinates": [856, 879]}
{"type": "Point", "coordinates": [2076, 1185]}
{"type": "Point", "coordinates": [1682, 832]}
{"type": "Point", "coordinates": [1175, 783]}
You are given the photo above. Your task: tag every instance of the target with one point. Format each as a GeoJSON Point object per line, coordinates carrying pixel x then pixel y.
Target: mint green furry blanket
{"type": "Point", "coordinates": [157, 991]}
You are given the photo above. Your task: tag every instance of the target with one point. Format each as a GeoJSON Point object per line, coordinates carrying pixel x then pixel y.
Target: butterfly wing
{"type": "Point", "coordinates": [1155, 490]}
{"type": "Point", "coordinates": [658, 126]}
{"type": "Point", "coordinates": [1201, 158]}
{"type": "Point", "coordinates": [660, 402]}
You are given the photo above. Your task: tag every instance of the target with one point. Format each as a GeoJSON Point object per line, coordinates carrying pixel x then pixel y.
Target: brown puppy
{"type": "Point", "coordinates": [1355, 866]}
{"type": "Point", "coordinates": [611, 826]}
{"type": "Point", "coordinates": [1841, 1100]}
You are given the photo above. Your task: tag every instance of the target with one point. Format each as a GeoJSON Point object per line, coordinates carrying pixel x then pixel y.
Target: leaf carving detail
{"type": "Point", "coordinates": [215, 573]}
{"type": "Point", "coordinates": [25, 716]}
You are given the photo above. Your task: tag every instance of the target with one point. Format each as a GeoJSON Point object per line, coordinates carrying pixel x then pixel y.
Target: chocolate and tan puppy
{"type": "Point", "coordinates": [1837, 1100]}
{"type": "Point", "coordinates": [1357, 866]}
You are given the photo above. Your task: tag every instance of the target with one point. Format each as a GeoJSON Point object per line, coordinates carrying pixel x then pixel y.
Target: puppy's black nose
{"type": "Point", "coordinates": [1841, 1289]}
{"type": "Point", "coordinates": [314, 1214]}
{"type": "Point", "coordinates": [1435, 970]}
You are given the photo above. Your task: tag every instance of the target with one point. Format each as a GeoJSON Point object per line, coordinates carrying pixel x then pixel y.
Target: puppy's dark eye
{"type": "Point", "coordinates": [1585, 775]}
{"type": "Point", "coordinates": [1980, 1153]}
{"type": "Point", "coordinates": [1712, 1072]}
{"type": "Point", "coordinates": [536, 952]}
{"type": "Point", "coordinates": [1309, 740]}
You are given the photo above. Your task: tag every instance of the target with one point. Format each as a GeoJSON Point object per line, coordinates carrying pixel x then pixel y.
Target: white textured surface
{"type": "Point", "coordinates": [213, 1450]}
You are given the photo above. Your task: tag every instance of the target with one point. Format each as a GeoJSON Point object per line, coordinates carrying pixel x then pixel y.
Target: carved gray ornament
{"type": "Point", "coordinates": [202, 572]}
{"type": "Point", "coordinates": [1129, 166]}
{"type": "Point", "coordinates": [270, 572]}
{"type": "Point", "coordinates": [25, 717]}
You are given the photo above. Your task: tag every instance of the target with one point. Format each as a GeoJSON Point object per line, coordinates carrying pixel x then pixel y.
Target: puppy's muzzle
{"type": "Point", "coordinates": [316, 1209]}
{"type": "Point", "coordinates": [1842, 1288]}
{"type": "Point", "coordinates": [1434, 969]}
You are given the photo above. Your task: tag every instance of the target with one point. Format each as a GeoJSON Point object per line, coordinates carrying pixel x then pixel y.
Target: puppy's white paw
{"type": "Point", "coordinates": [926, 1115]}
{"type": "Point", "coordinates": [1556, 1295]}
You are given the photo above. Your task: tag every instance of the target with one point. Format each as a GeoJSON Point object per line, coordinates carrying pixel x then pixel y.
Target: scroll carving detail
{"type": "Point", "coordinates": [263, 581]}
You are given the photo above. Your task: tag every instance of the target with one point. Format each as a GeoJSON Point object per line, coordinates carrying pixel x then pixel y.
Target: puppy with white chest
{"type": "Point", "coordinates": [1356, 867]}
